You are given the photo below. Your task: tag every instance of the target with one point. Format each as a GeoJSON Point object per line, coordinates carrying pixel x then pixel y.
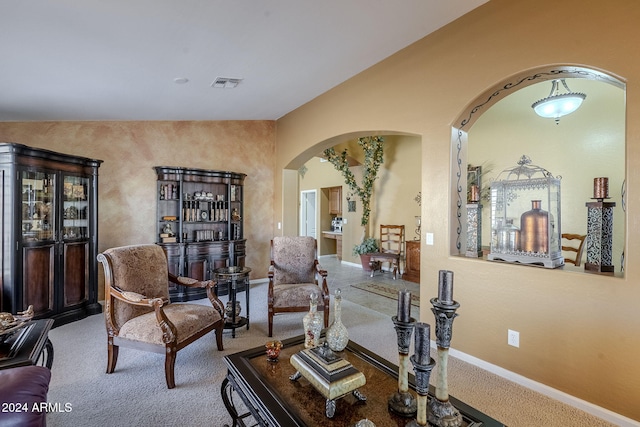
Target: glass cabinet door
{"type": "Point", "coordinates": [38, 206]}
{"type": "Point", "coordinates": [75, 223]}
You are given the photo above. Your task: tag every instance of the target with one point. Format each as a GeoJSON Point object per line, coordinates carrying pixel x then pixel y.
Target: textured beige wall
{"type": "Point", "coordinates": [578, 332]}
{"type": "Point", "coordinates": [127, 181]}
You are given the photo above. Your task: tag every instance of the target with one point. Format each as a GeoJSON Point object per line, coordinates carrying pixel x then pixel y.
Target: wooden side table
{"type": "Point", "coordinates": [29, 345]}
{"type": "Point", "coordinates": [233, 276]}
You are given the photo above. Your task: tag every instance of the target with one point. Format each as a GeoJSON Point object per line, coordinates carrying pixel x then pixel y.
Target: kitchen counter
{"type": "Point", "coordinates": [338, 238]}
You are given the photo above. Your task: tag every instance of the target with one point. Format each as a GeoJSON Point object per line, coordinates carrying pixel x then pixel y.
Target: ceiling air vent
{"type": "Point", "coordinates": [225, 82]}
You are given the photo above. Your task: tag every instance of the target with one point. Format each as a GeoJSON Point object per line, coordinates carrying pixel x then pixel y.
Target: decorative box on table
{"type": "Point", "coordinates": [525, 216]}
{"type": "Point", "coordinates": [333, 376]}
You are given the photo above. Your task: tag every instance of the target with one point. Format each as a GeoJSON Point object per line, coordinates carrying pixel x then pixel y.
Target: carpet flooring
{"type": "Point", "coordinates": [136, 393]}
{"type": "Point", "coordinates": [386, 291]}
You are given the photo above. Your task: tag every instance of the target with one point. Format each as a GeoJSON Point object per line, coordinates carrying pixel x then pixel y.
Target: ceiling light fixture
{"type": "Point", "coordinates": [225, 82]}
{"type": "Point", "coordinates": [180, 80]}
{"type": "Point", "coordinates": [558, 104]}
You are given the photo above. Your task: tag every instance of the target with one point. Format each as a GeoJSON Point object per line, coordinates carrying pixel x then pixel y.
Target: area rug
{"type": "Point", "coordinates": [385, 291]}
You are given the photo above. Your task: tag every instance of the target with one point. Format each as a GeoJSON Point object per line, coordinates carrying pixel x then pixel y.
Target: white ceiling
{"type": "Point", "coordinates": [117, 59]}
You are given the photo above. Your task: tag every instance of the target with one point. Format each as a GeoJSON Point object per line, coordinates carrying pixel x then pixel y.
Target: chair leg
{"type": "Point", "coordinates": [270, 317]}
{"type": "Point", "coordinates": [218, 332]}
{"type": "Point", "coordinates": [112, 355]}
{"type": "Point", "coordinates": [169, 366]}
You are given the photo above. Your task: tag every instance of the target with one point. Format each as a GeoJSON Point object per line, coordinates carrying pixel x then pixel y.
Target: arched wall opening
{"type": "Point", "coordinates": [395, 190]}
{"type": "Point", "coordinates": [585, 144]}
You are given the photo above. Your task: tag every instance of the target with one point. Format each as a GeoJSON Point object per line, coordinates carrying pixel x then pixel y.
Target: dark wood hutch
{"type": "Point", "coordinates": [49, 205]}
{"type": "Point", "coordinates": [200, 224]}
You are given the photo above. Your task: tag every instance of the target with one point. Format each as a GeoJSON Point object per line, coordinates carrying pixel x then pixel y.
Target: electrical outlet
{"type": "Point", "coordinates": [344, 220]}
{"type": "Point", "coordinates": [513, 338]}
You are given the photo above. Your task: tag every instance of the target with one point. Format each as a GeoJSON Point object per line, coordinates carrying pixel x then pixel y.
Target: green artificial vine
{"type": "Point", "coordinates": [373, 158]}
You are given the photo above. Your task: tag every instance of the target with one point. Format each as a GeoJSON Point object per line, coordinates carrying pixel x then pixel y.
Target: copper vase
{"type": "Point", "coordinates": [534, 229]}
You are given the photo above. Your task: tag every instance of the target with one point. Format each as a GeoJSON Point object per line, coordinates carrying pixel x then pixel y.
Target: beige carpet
{"type": "Point", "coordinates": [136, 394]}
{"type": "Point", "coordinates": [385, 291]}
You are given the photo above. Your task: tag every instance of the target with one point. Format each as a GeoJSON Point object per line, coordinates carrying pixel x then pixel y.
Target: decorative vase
{"type": "Point", "coordinates": [534, 229]}
{"type": "Point", "coordinates": [337, 335]}
{"type": "Point", "coordinates": [312, 323]}
{"type": "Point", "coordinates": [228, 311]}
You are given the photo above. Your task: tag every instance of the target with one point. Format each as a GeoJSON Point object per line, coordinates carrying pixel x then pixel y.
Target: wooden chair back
{"type": "Point", "coordinates": [392, 239]}
{"type": "Point", "coordinates": [574, 245]}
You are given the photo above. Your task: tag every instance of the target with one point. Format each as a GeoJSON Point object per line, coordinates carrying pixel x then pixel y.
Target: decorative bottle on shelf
{"type": "Point", "coordinates": [534, 229]}
{"type": "Point", "coordinates": [312, 323]}
{"type": "Point", "coordinates": [337, 334]}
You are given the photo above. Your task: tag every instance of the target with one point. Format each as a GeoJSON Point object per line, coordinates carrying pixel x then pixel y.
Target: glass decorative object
{"type": "Point", "coordinates": [312, 323]}
{"type": "Point", "coordinates": [337, 334]}
{"type": "Point", "coordinates": [525, 216]}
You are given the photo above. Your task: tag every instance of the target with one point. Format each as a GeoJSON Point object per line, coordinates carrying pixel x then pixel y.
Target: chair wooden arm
{"type": "Point", "coordinates": [208, 284]}
{"type": "Point", "coordinates": [134, 298]}
{"type": "Point", "coordinates": [321, 271]}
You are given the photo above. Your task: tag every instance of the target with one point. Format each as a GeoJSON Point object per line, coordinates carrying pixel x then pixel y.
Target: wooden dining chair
{"type": "Point", "coordinates": [574, 245]}
{"type": "Point", "coordinates": [391, 249]}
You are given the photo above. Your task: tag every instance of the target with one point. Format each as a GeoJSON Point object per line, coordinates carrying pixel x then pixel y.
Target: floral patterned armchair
{"type": "Point", "coordinates": [138, 312]}
{"type": "Point", "coordinates": [293, 275]}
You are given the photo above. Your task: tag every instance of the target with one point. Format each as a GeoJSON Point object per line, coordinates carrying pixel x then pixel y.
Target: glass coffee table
{"type": "Point", "coordinates": [272, 399]}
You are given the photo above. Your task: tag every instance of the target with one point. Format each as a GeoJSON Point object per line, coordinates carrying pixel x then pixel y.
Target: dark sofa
{"type": "Point", "coordinates": [22, 390]}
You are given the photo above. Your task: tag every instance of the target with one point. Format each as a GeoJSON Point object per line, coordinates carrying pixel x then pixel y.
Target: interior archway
{"type": "Point", "coordinates": [562, 150]}
{"type": "Point", "coordinates": [395, 190]}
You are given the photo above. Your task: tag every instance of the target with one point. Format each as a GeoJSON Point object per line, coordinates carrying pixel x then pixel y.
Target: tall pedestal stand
{"type": "Point", "coordinates": [422, 375]}
{"type": "Point", "coordinates": [599, 237]}
{"type": "Point", "coordinates": [402, 402]}
{"type": "Point", "coordinates": [441, 412]}
{"type": "Point", "coordinates": [474, 227]}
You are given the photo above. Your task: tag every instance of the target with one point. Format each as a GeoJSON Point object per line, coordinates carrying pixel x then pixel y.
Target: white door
{"type": "Point", "coordinates": [308, 213]}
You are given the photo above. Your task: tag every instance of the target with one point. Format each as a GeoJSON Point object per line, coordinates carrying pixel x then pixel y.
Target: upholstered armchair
{"type": "Point", "coordinates": [293, 275]}
{"type": "Point", "coordinates": [138, 312]}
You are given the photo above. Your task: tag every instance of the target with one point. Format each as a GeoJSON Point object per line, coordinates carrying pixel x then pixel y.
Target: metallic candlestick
{"type": "Point", "coordinates": [441, 412]}
{"type": "Point", "coordinates": [422, 374]}
{"type": "Point", "coordinates": [403, 402]}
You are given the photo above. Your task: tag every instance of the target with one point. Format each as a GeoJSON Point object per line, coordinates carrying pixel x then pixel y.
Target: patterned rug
{"type": "Point", "coordinates": [385, 291]}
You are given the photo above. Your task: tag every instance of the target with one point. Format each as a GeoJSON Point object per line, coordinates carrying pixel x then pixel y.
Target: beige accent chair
{"type": "Point", "coordinates": [138, 312]}
{"type": "Point", "coordinates": [293, 275]}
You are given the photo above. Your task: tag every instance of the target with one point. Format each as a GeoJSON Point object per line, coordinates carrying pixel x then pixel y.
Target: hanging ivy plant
{"type": "Point", "coordinates": [373, 158]}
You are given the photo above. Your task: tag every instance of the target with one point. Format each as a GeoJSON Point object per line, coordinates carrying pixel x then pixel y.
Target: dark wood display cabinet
{"type": "Point", "coordinates": [200, 224]}
{"type": "Point", "coordinates": [50, 233]}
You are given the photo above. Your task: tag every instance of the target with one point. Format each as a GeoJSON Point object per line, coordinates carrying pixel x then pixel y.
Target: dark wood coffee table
{"type": "Point", "coordinates": [30, 345]}
{"type": "Point", "coordinates": [274, 400]}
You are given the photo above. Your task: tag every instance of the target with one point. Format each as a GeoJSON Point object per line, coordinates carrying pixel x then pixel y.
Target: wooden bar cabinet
{"type": "Point", "coordinates": [200, 224]}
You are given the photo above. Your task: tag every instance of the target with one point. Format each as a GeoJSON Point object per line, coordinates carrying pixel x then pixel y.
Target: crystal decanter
{"type": "Point", "coordinates": [337, 334]}
{"type": "Point", "coordinates": [312, 323]}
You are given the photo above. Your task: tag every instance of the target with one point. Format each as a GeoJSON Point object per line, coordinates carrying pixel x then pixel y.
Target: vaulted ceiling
{"type": "Point", "coordinates": [157, 59]}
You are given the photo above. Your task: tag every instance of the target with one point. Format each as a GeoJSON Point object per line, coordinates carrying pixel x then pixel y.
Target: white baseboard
{"type": "Point", "coordinates": [561, 396]}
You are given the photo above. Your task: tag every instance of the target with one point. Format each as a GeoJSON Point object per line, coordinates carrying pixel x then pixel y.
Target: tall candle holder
{"type": "Point", "coordinates": [441, 412]}
{"type": "Point", "coordinates": [403, 402]}
{"type": "Point", "coordinates": [422, 375]}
